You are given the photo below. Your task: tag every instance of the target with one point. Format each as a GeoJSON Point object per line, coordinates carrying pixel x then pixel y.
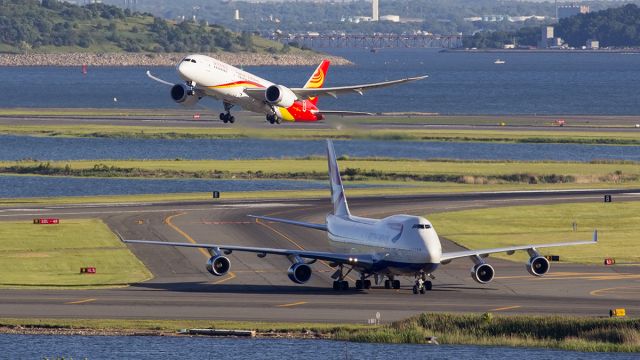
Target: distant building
{"type": "Point", "coordinates": [565, 11]}
{"type": "Point", "coordinates": [374, 10]}
{"type": "Point", "coordinates": [593, 44]}
{"type": "Point", "coordinates": [392, 18]}
{"type": "Point", "coordinates": [236, 15]}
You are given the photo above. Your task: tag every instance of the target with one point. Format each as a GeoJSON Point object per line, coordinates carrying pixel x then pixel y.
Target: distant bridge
{"type": "Point", "coordinates": [373, 41]}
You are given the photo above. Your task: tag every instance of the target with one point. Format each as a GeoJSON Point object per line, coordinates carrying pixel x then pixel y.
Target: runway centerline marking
{"type": "Point", "coordinates": [292, 304]}
{"type": "Point", "coordinates": [83, 301]}
{"type": "Point", "coordinates": [506, 308]}
{"type": "Point", "coordinates": [168, 221]}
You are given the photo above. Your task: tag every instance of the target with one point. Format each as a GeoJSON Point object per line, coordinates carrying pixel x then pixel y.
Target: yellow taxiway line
{"type": "Point", "coordinates": [167, 220]}
{"type": "Point", "coordinates": [80, 301]}
{"type": "Point", "coordinates": [506, 308]}
{"type": "Point", "coordinates": [292, 304]}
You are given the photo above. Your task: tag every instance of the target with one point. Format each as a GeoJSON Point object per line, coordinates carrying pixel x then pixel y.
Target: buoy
{"type": "Point", "coordinates": [115, 99]}
{"type": "Point", "coordinates": [84, 69]}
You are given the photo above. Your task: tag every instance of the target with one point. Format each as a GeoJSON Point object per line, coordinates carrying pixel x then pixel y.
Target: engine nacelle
{"type": "Point", "coordinates": [482, 273]}
{"type": "Point", "coordinates": [183, 95]}
{"type": "Point", "coordinates": [299, 273]}
{"type": "Point", "coordinates": [538, 265]}
{"type": "Point", "coordinates": [279, 95]}
{"type": "Point", "coordinates": [218, 265]}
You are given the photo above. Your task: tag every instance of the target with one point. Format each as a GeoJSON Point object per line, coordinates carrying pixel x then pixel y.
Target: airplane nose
{"type": "Point", "coordinates": [182, 69]}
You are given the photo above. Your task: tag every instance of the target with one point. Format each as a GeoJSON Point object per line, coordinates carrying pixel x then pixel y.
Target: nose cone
{"type": "Point", "coordinates": [184, 70]}
{"type": "Point", "coordinates": [433, 246]}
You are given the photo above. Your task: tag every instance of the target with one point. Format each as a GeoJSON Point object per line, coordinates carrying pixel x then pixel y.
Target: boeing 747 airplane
{"type": "Point", "coordinates": [206, 76]}
{"type": "Point", "coordinates": [379, 248]}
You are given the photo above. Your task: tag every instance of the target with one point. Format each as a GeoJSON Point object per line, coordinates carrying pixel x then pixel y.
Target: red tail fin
{"type": "Point", "coordinates": [317, 79]}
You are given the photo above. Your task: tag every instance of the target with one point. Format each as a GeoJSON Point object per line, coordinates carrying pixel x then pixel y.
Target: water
{"type": "Point", "coordinates": [459, 83]}
{"type": "Point", "coordinates": [51, 148]}
{"type": "Point", "coordinates": [156, 347]}
{"type": "Point", "coordinates": [44, 186]}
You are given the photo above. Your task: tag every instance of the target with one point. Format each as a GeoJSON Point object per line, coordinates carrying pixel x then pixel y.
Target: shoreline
{"type": "Point", "coordinates": [165, 59]}
{"type": "Point", "coordinates": [553, 51]}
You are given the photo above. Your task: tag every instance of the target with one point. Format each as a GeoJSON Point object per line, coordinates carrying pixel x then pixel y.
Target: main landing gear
{"type": "Point", "coordinates": [391, 283]}
{"type": "Point", "coordinates": [226, 116]}
{"type": "Point", "coordinates": [340, 283]}
{"type": "Point", "coordinates": [363, 282]}
{"type": "Point", "coordinates": [273, 119]}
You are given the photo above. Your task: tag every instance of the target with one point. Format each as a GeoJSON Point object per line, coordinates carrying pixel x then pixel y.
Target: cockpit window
{"type": "Point", "coordinates": [193, 61]}
{"type": "Point", "coordinates": [421, 226]}
{"type": "Point", "coordinates": [186, 59]}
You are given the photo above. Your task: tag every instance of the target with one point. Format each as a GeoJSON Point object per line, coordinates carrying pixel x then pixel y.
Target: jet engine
{"type": "Point", "coordinates": [279, 95]}
{"type": "Point", "coordinates": [482, 273]}
{"type": "Point", "coordinates": [538, 265]}
{"type": "Point", "coordinates": [299, 273]}
{"type": "Point", "coordinates": [184, 95]}
{"type": "Point", "coordinates": [218, 265]}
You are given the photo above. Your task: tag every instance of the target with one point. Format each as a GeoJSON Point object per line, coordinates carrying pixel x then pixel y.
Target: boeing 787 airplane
{"type": "Point", "coordinates": [379, 248]}
{"type": "Point", "coordinates": [206, 76]}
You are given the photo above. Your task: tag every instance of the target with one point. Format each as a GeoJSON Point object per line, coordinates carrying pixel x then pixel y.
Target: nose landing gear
{"type": "Point", "coordinates": [226, 116]}
{"type": "Point", "coordinates": [421, 284]}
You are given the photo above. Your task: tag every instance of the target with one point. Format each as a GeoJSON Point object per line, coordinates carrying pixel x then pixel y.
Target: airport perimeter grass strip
{"type": "Point", "coordinates": [352, 169]}
{"type": "Point", "coordinates": [562, 332]}
{"type": "Point", "coordinates": [631, 137]}
{"type": "Point", "coordinates": [51, 255]}
{"type": "Point", "coordinates": [618, 225]}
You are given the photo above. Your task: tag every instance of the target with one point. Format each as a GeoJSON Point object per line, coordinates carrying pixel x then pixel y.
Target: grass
{"type": "Point", "coordinates": [630, 137]}
{"type": "Point", "coordinates": [618, 225]}
{"type": "Point", "coordinates": [562, 332]}
{"type": "Point", "coordinates": [52, 255]}
{"type": "Point", "coordinates": [473, 172]}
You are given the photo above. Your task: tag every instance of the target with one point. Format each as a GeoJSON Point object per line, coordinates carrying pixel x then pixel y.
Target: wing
{"type": "Point", "coordinates": [356, 260]}
{"type": "Point", "coordinates": [447, 257]}
{"type": "Point", "coordinates": [158, 79]}
{"type": "Point", "coordinates": [303, 93]}
{"type": "Point", "coordinates": [291, 222]}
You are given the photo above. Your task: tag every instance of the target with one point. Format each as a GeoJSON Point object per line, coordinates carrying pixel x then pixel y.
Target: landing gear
{"type": "Point", "coordinates": [273, 119]}
{"type": "Point", "coordinates": [422, 285]}
{"type": "Point", "coordinates": [340, 283]}
{"type": "Point", "coordinates": [391, 283]}
{"type": "Point", "coordinates": [363, 283]}
{"type": "Point", "coordinates": [226, 116]}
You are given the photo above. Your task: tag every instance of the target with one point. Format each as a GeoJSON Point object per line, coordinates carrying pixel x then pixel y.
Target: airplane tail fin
{"type": "Point", "coordinates": [338, 199]}
{"type": "Point", "coordinates": [317, 79]}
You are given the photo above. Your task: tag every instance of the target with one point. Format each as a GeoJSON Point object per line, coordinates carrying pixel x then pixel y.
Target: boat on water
{"type": "Point", "coordinates": [498, 61]}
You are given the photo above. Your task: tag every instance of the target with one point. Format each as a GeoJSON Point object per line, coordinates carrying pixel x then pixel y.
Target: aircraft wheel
{"type": "Point", "coordinates": [415, 289]}
{"type": "Point", "coordinates": [232, 119]}
{"type": "Point", "coordinates": [344, 285]}
{"type": "Point", "coordinates": [367, 284]}
{"type": "Point", "coordinates": [428, 285]}
{"type": "Point", "coordinates": [359, 285]}
{"type": "Point", "coordinates": [422, 291]}
{"type": "Point", "coordinates": [396, 284]}
{"type": "Point", "coordinates": [387, 284]}
{"type": "Point", "coordinates": [222, 116]}
{"type": "Point", "coordinates": [336, 285]}
{"type": "Point", "coordinates": [277, 120]}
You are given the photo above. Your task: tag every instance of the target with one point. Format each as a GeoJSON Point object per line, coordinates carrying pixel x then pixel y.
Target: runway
{"type": "Point", "coordinates": [259, 290]}
{"type": "Point", "coordinates": [184, 118]}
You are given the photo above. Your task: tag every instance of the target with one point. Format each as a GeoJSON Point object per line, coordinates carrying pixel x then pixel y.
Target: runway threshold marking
{"type": "Point", "coordinates": [83, 301]}
{"type": "Point", "coordinates": [168, 221]}
{"type": "Point", "coordinates": [506, 308]}
{"type": "Point", "coordinates": [292, 304]}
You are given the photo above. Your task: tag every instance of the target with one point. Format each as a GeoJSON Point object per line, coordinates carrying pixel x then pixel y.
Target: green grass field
{"type": "Point", "coordinates": [630, 137]}
{"type": "Point", "coordinates": [618, 225]}
{"type": "Point", "coordinates": [52, 255]}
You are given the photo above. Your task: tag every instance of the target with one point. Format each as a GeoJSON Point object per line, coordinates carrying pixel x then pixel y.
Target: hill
{"type": "Point", "coordinates": [28, 26]}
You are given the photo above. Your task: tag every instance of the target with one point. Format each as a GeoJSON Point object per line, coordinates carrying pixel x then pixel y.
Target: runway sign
{"type": "Point", "coordinates": [216, 194]}
{"type": "Point", "coordinates": [607, 198]}
{"type": "Point", "coordinates": [46, 221]}
{"type": "Point", "coordinates": [609, 261]}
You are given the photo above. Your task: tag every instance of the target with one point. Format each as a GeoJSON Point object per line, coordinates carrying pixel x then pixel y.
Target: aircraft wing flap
{"type": "Point", "coordinates": [363, 260]}
{"type": "Point", "coordinates": [304, 93]}
{"type": "Point", "coordinates": [447, 257]}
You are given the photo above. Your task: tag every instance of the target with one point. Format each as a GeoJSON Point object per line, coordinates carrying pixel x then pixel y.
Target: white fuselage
{"type": "Point", "coordinates": [401, 244]}
{"type": "Point", "coordinates": [223, 81]}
